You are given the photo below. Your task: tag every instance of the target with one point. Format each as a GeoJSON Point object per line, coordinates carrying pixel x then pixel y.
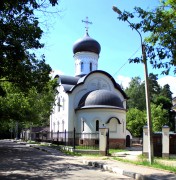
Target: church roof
{"type": "Point", "coordinates": [70, 83]}
{"type": "Point", "coordinates": [87, 44]}
{"type": "Point", "coordinates": [70, 80]}
{"type": "Point", "coordinates": [100, 98]}
{"type": "Point", "coordinates": [83, 79]}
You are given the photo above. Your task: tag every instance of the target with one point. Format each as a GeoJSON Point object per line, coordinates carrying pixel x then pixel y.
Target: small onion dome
{"type": "Point", "coordinates": [86, 44]}
{"type": "Point", "coordinates": [100, 97]}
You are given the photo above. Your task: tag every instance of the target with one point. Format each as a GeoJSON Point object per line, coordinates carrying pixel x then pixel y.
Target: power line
{"type": "Point", "coordinates": [127, 61]}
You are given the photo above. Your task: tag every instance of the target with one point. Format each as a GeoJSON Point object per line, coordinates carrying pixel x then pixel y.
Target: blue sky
{"type": "Point", "coordinates": [118, 41]}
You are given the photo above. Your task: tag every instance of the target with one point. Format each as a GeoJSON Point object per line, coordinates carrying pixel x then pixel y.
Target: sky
{"type": "Point", "coordinates": [118, 41]}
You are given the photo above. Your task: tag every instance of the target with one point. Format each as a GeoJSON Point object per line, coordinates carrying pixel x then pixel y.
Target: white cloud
{"type": "Point", "coordinates": [124, 81]}
{"type": "Point", "coordinates": [171, 80]}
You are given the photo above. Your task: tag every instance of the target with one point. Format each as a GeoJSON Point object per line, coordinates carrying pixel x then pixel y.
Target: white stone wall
{"type": "Point", "coordinates": [86, 58]}
{"type": "Point", "coordinates": [89, 116]}
{"type": "Point", "coordinates": [59, 117]}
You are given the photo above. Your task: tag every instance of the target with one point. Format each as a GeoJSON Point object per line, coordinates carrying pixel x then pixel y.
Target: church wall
{"type": "Point", "coordinates": [83, 60]}
{"type": "Point", "coordinates": [59, 117]}
{"type": "Point", "coordinates": [90, 116]}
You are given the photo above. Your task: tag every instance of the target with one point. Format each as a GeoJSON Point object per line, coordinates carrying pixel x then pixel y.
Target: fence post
{"type": "Point", "coordinates": [65, 138]}
{"type": "Point", "coordinates": [103, 132]}
{"type": "Point", "coordinates": [74, 133]}
{"type": "Point", "coordinates": [165, 141]}
{"type": "Point", "coordinates": [51, 135]}
{"type": "Point", "coordinates": [145, 141]}
{"type": "Point", "coordinates": [57, 135]}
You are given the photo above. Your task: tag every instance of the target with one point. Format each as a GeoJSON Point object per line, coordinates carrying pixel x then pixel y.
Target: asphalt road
{"type": "Point", "coordinates": [18, 161]}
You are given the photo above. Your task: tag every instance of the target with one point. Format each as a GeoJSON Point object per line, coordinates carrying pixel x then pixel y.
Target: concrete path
{"type": "Point", "coordinates": [18, 161]}
{"type": "Point", "coordinates": [117, 167]}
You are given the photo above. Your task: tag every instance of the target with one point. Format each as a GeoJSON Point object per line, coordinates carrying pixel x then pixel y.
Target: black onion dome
{"type": "Point", "coordinates": [86, 44]}
{"type": "Point", "coordinates": [100, 97]}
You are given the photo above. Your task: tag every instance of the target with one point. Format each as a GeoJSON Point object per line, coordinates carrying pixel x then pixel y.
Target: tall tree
{"type": "Point", "coordinates": [154, 87]}
{"type": "Point", "coordinates": [159, 24]}
{"type": "Point", "coordinates": [20, 35]}
{"type": "Point", "coordinates": [136, 119]}
{"type": "Point", "coordinates": [159, 117]}
{"type": "Point", "coordinates": [166, 92]}
{"type": "Point", "coordinates": [136, 94]}
{"type": "Point", "coordinates": [33, 107]}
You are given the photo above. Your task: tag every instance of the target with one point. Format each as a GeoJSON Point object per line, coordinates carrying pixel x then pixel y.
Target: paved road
{"type": "Point", "coordinates": [18, 161]}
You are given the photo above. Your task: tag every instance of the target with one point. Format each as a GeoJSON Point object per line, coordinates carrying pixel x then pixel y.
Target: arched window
{"type": "Point", "coordinates": [63, 104]}
{"type": "Point", "coordinates": [54, 126]}
{"type": "Point", "coordinates": [58, 104]}
{"type": "Point", "coordinates": [57, 125]}
{"type": "Point", "coordinates": [83, 124]}
{"type": "Point", "coordinates": [62, 125]}
{"type": "Point", "coordinates": [97, 125]}
{"type": "Point", "coordinates": [90, 67]}
{"type": "Point", "coordinates": [82, 66]}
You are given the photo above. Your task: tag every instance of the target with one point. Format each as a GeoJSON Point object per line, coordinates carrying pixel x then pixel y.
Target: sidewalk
{"type": "Point", "coordinates": [108, 164]}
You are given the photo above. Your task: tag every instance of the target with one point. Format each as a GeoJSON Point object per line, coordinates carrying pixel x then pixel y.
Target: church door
{"type": "Point", "coordinates": [127, 141]}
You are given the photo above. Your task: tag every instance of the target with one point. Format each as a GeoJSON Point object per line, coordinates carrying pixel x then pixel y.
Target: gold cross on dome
{"type": "Point", "coordinates": [87, 22]}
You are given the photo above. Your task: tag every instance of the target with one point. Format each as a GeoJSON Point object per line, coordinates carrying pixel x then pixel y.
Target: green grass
{"type": "Point", "coordinates": [32, 142]}
{"type": "Point", "coordinates": [112, 151]}
{"type": "Point", "coordinates": [87, 148]}
{"type": "Point", "coordinates": [143, 161]}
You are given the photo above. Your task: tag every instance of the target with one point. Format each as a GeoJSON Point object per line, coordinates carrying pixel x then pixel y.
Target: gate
{"type": "Point", "coordinates": [157, 145]}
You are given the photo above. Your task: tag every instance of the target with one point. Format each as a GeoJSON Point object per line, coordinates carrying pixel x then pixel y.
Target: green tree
{"type": "Point", "coordinates": [32, 107]}
{"type": "Point", "coordinates": [20, 36]}
{"type": "Point", "coordinates": [136, 94]}
{"type": "Point", "coordinates": [154, 87]}
{"type": "Point", "coordinates": [136, 120]}
{"type": "Point", "coordinates": [159, 24]}
{"type": "Point", "coordinates": [166, 92]}
{"type": "Point", "coordinates": [159, 117]}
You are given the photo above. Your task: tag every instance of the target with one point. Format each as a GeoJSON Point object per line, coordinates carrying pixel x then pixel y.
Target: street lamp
{"type": "Point", "coordinates": [149, 123]}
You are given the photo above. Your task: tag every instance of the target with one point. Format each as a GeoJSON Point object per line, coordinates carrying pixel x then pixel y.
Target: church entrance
{"type": "Point", "coordinates": [127, 141]}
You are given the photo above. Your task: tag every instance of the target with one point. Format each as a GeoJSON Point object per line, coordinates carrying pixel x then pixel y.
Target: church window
{"type": "Point", "coordinates": [58, 104]}
{"type": "Point", "coordinates": [90, 67]}
{"type": "Point", "coordinates": [57, 125]}
{"type": "Point", "coordinates": [54, 126]}
{"type": "Point", "coordinates": [97, 125]}
{"type": "Point", "coordinates": [123, 126]}
{"type": "Point", "coordinates": [63, 104]}
{"type": "Point", "coordinates": [83, 124]}
{"type": "Point", "coordinates": [113, 125]}
{"type": "Point", "coordinates": [82, 66]}
{"type": "Point", "coordinates": [63, 126]}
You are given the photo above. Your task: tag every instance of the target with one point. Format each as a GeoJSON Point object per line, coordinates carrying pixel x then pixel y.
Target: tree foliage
{"type": "Point", "coordinates": [28, 107]}
{"type": "Point", "coordinates": [160, 24]}
{"type": "Point", "coordinates": [136, 119]}
{"type": "Point", "coordinates": [26, 92]}
{"type": "Point", "coordinates": [20, 35]}
{"type": "Point", "coordinates": [159, 117]}
{"type": "Point", "coordinates": [136, 94]}
{"type": "Point", "coordinates": [161, 103]}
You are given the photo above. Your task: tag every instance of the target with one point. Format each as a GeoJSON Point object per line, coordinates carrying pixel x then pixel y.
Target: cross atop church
{"type": "Point", "coordinates": [87, 22]}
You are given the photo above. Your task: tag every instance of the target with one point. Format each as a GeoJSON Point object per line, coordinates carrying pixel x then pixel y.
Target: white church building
{"type": "Point", "coordinates": [90, 99]}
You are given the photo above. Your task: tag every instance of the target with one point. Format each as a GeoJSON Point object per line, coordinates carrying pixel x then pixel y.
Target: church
{"type": "Point", "coordinates": [91, 99]}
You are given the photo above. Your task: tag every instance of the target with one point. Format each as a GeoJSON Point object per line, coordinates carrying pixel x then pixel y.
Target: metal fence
{"type": "Point", "coordinates": [68, 138]}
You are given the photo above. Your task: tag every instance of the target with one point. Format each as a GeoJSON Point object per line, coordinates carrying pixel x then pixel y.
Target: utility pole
{"type": "Point", "coordinates": [147, 94]}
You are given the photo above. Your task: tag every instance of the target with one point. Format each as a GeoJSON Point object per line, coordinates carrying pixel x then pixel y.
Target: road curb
{"type": "Point", "coordinates": [117, 170]}
{"type": "Point", "coordinates": [104, 167]}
